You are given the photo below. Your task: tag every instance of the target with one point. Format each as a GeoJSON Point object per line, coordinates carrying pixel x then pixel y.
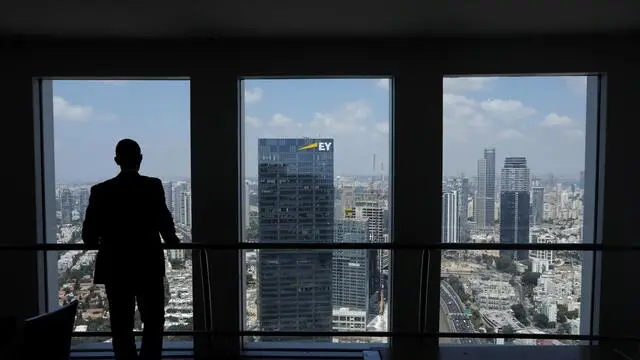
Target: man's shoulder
{"type": "Point", "coordinates": [103, 185]}
{"type": "Point", "coordinates": [151, 179]}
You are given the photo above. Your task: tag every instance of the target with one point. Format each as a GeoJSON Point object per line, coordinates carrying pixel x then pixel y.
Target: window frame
{"type": "Point", "coordinates": [593, 196]}
{"type": "Point", "coordinates": [408, 76]}
{"type": "Point", "coordinates": [45, 198]}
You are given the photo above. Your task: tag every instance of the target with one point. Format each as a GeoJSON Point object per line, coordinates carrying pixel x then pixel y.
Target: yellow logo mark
{"type": "Point", "coordinates": [307, 147]}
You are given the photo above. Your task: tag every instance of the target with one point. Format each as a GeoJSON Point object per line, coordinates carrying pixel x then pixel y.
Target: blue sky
{"type": "Point", "coordinates": [541, 118]}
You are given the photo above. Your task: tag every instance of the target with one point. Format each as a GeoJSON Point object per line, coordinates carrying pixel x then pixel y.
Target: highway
{"type": "Point", "coordinates": [456, 312]}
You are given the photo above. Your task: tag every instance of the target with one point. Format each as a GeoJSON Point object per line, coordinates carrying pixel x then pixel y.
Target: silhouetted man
{"type": "Point", "coordinates": [125, 217]}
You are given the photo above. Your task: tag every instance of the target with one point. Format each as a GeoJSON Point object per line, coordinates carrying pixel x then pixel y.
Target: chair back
{"type": "Point", "coordinates": [48, 336]}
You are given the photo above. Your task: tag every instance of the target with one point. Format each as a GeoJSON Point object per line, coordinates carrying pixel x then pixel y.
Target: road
{"type": "Point", "coordinates": [456, 312]}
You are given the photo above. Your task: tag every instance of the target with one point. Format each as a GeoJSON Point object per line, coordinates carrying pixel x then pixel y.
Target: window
{"type": "Point", "coordinates": [289, 186]}
{"type": "Point", "coordinates": [90, 117]}
{"type": "Point", "coordinates": [514, 163]}
{"type": "Point", "coordinates": [316, 160]}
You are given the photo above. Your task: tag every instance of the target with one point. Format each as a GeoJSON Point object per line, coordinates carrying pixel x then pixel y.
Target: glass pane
{"type": "Point", "coordinates": [316, 160]}
{"type": "Point", "coordinates": [483, 292]}
{"type": "Point", "coordinates": [90, 117]}
{"type": "Point", "coordinates": [514, 162]}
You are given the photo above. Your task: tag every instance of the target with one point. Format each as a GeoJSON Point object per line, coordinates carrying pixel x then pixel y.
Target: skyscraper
{"type": "Point", "coordinates": [450, 225]}
{"type": "Point", "coordinates": [66, 205]}
{"type": "Point", "coordinates": [373, 211]}
{"type": "Point", "coordinates": [296, 204]}
{"type": "Point", "coordinates": [537, 205]}
{"type": "Point", "coordinates": [168, 195]}
{"type": "Point", "coordinates": [351, 267]}
{"type": "Point", "coordinates": [463, 210]}
{"type": "Point", "coordinates": [486, 194]}
{"type": "Point", "coordinates": [515, 184]}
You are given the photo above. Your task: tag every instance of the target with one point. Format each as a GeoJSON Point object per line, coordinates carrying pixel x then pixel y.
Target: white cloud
{"type": "Point", "coordinates": [66, 111]}
{"type": "Point", "coordinates": [383, 83]}
{"type": "Point", "coordinates": [350, 118]}
{"type": "Point", "coordinates": [463, 111]}
{"type": "Point", "coordinates": [554, 119]}
{"type": "Point", "coordinates": [510, 109]}
{"type": "Point", "coordinates": [577, 84]}
{"type": "Point", "coordinates": [279, 120]}
{"type": "Point", "coordinates": [465, 119]}
{"type": "Point", "coordinates": [465, 84]}
{"type": "Point", "coordinates": [510, 134]}
{"type": "Point", "coordinates": [382, 127]}
{"type": "Point", "coordinates": [574, 133]}
{"type": "Point", "coordinates": [255, 122]}
{"type": "Point", "coordinates": [252, 95]}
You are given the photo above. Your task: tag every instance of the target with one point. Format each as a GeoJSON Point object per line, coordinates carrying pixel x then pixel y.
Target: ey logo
{"type": "Point", "coordinates": [321, 146]}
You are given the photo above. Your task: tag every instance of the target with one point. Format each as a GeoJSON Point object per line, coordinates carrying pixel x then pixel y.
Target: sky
{"type": "Point", "coordinates": [541, 118]}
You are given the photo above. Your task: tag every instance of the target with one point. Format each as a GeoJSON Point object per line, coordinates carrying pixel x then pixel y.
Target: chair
{"type": "Point", "coordinates": [48, 336]}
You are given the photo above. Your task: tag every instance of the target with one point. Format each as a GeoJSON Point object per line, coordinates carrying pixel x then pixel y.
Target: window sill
{"type": "Point", "coordinates": [100, 350]}
{"type": "Point", "coordinates": [520, 352]}
{"type": "Point", "coordinates": [257, 351]}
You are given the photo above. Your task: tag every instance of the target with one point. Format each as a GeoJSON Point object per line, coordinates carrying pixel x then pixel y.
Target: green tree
{"type": "Point", "coordinates": [530, 278]}
{"type": "Point", "coordinates": [457, 286]}
{"type": "Point", "coordinates": [507, 329]}
{"type": "Point", "coordinates": [505, 264]}
{"type": "Point", "coordinates": [573, 314]}
{"type": "Point", "coordinates": [520, 313]}
{"type": "Point", "coordinates": [177, 264]}
{"type": "Point", "coordinates": [541, 320]}
{"type": "Point", "coordinates": [564, 328]}
{"type": "Point", "coordinates": [476, 319]}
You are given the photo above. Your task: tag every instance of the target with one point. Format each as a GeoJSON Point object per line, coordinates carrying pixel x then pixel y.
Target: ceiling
{"type": "Point", "coordinates": [323, 18]}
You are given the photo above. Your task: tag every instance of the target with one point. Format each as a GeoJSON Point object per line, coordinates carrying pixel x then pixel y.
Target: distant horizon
{"type": "Point", "coordinates": [564, 178]}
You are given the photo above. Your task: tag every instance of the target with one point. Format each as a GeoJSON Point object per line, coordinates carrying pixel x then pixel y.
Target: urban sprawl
{"type": "Point", "coordinates": [296, 197]}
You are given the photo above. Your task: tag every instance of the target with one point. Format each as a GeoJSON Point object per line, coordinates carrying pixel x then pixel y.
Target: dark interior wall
{"type": "Point", "coordinates": [615, 56]}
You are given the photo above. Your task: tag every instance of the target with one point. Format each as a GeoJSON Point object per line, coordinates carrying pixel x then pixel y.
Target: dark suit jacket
{"type": "Point", "coordinates": [125, 217]}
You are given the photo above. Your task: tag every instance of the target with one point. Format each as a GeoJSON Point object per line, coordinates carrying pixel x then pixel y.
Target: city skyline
{"type": "Point", "coordinates": [541, 118]}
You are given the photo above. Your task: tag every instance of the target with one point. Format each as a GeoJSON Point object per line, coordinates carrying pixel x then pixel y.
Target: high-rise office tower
{"type": "Point", "coordinates": [66, 205]}
{"type": "Point", "coordinates": [373, 211]}
{"type": "Point", "coordinates": [83, 201]}
{"type": "Point", "coordinates": [246, 207]}
{"type": "Point", "coordinates": [515, 184]}
{"type": "Point", "coordinates": [537, 205]}
{"type": "Point", "coordinates": [351, 267]}
{"type": "Point", "coordinates": [179, 213]}
{"type": "Point", "coordinates": [296, 204]}
{"type": "Point", "coordinates": [581, 179]}
{"type": "Point", "coordinates": [486, 193]}
{"type": "Point", "coordinates": [450, 224]}
{"type": "Point", "coordinates": [168, 195]}
{"type": "Point", "coordinates": [348, 202]}
{"type": "Point", "coordinates": [463, 210]}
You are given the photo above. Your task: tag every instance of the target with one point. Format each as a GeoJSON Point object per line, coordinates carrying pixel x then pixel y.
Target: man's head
{"type": "Point", "coordinates": [128, 155]}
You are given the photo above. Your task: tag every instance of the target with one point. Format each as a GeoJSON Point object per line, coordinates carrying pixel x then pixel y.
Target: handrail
{"type": "Point", "coordinates": [424, 275]}
{"type": "Point", "coordinates": [339, 246]}
{"type": "Point", "coordinates": [374, 334]}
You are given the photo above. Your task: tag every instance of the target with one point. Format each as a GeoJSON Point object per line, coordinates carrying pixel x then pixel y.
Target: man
{"type": "Point", "coordinates": [125, 217]}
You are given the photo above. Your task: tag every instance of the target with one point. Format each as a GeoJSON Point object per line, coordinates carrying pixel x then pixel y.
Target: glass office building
{"type": "Point", "coordinates": [296, 204]}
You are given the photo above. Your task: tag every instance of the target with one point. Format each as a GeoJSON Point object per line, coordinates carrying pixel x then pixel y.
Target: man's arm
{"type": "Point", "coordinates": [166, 226]}
{"type": "Point", "coordinates": [90, 226]}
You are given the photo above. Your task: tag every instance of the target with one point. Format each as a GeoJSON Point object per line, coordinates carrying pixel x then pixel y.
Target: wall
{"type": "Point", "coordinates": [408, 59]}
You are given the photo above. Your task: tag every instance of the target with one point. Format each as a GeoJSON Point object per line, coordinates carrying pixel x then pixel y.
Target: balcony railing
{"type": "Point", "coordinates": [426, 251]}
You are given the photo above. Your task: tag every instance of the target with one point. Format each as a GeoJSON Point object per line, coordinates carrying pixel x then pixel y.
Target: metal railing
{"type": "Point", "coordinates": [426, 250]}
